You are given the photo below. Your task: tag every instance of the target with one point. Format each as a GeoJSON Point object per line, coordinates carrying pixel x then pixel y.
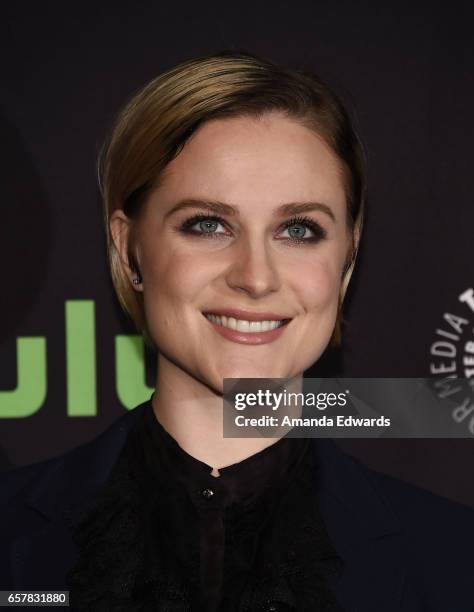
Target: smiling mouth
{"type": "Point", "coordinates": [244, 326]}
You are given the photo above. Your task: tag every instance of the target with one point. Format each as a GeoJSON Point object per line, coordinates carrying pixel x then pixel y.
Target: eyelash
{"type": "Point", "coordinates": [318, 231]}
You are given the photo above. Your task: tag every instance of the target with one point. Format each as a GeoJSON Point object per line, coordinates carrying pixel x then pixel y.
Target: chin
{"type": "Point", "coordinates": [250, 371]}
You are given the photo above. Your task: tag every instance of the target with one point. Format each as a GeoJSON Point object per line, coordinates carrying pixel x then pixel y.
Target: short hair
{"type": "Point", "coordinates": [155, 124]}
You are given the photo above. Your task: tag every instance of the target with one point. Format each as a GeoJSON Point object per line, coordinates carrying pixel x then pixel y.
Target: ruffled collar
{"type": "Point", "coordinates": [120, 566]}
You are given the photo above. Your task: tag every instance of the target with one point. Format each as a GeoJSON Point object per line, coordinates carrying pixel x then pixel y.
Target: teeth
{"type": "Point", "coordinates": [251, 327]}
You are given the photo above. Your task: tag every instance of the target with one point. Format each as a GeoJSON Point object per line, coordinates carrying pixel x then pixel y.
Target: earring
{"type": "Point", "coordinates": [137, 280]}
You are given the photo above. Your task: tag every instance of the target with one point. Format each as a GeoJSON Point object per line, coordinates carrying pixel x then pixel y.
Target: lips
{"type": "Point", "coordinates": [248, 315]}
{"type": "Point", "coordinates": [247, 327]}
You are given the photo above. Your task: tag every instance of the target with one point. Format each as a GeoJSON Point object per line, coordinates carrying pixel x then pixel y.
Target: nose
{"type": "Point", "coordinates": [252, 269]}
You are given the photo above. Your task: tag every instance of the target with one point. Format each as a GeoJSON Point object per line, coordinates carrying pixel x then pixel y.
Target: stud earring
{"type": "Point", "coordinates": [137, 280]}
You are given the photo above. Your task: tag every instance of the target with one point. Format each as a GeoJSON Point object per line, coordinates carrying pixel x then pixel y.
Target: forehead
{"type": "Point", "coordinates": [250, 161]}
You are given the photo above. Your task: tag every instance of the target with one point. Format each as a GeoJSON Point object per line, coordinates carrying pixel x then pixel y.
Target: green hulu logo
{"type": "Point", "coordinates": [81, 368]}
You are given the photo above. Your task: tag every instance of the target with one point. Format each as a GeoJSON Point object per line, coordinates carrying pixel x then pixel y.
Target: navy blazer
{"type": "Point", "coordinates": [403, 548]}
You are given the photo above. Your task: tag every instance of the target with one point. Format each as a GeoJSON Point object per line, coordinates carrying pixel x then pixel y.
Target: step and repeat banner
{"type": "Point", "coordinates": [70, 361]}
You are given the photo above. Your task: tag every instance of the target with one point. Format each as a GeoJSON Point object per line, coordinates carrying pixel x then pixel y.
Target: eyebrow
{"type": "Point", "coordinates": [221, 208]}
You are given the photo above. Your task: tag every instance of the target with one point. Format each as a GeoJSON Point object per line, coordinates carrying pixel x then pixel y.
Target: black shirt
{"type": "Point", "coordinates": [164, 534]}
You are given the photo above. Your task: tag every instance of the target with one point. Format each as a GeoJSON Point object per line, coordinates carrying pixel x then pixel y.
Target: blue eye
{"type": "Point", "coordinates": [298, 227]}
{"type": "Point", "coordinates": [207, 224]}
{"type": "Point", "coordinates": [297, 231]}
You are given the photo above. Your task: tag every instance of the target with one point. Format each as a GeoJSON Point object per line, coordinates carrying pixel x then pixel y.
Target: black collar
{"type": "Point", "coordinates": [241, 483]}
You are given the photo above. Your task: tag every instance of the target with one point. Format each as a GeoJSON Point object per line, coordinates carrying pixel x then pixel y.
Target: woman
{"type": "Point", "coordinates": [233, 196]}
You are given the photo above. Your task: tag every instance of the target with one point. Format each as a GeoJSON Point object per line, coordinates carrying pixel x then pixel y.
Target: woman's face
{"type": "Point", "coordinates": [252, 254]}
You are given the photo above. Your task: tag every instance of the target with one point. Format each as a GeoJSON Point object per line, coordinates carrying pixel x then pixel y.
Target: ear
{"type": "Point", "coordinates": [120, 229]}
{"type": "Point", "coordinates": [354, 237]}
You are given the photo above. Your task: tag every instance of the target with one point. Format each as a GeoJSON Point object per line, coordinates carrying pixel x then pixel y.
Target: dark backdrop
{"type": "Point", "coordinates": [405, 69]}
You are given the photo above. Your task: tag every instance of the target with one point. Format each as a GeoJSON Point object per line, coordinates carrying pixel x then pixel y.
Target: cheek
{"type": "Point", "coordinates": [171, 274]}
{"type": "Point", "coordinates": [170, 283]}
{"type": "Point", "coordinates": [318, 285]}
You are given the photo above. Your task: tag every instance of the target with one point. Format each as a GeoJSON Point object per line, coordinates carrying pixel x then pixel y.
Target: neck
{"type": "Point", "coordinates": [192, 414]}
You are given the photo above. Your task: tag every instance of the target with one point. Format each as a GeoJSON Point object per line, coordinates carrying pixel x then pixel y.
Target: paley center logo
{"type": "Point", "coordinates": [452, 359]}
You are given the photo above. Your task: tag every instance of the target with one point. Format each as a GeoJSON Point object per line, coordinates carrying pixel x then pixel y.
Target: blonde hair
{"type": "Point", "coordinates": [155, 124]}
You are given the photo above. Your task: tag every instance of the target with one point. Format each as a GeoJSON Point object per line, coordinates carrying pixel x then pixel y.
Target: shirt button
{"type": "Point", "coordinates": [207, 493]}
